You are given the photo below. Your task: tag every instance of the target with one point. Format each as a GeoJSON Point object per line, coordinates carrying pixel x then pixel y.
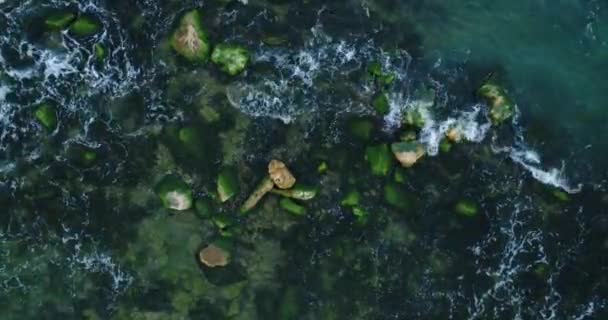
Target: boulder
{"type": "Point", "coordinates": [298, 192]}
{"type": "Point", "coordinates": [213, 256]}
{"type": "Point", "coordinates": [258, 193]}
{"type": "Point", "coordinates": [381, 104]}
{"type": "Point", "coordinates": [292, 207]}
{"type": "Point", "coordinates": [190, 39]}
{"type": "Point", "coordinates": [466, 208]}
{"type": "Point", "coordinates": [280, 175]}
{"type": "Point", "coordinates": [232, 59]}
{"type": "Point", "coordinates": [408, 153]}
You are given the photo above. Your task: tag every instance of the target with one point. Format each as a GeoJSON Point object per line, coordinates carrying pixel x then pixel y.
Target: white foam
{"type": "Point", "coordinates": [530, 160]}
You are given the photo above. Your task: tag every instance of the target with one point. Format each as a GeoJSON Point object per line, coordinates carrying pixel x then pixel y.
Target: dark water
{"type": "Point", "coordinates": [91, 240]}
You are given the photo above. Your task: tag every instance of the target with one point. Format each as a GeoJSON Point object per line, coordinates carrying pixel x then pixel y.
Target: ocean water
{"type": "Point", "coordinates": [89, 238]}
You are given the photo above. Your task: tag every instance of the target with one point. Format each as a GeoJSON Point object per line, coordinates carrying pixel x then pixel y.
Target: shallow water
{"type": "Point", "coordinates": [91, 239]}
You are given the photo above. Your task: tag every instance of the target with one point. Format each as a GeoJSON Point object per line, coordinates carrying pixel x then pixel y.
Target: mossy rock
{"type": "Point", "coordinates": [298, 192]}
{"type": "Point", "coordinates": [232, 59]}
{"type": "Point", "coordinates": [174, 193]}
{"type": "Point", "coordinates": [445, 145]}
{"type": "Point", "coordinates": [227, 184]}
{"type": "Point", "coordinates": [501, 106]}
{"type": "Point", "coordinates": [85, 27]}
{"type": "Point", "coordinates": [397, 197]}
{"type": "Point", "coordinates": [414, 118]}
{"type": "Point", "coordinates": [59, 21]}
{"type": "Point", "coordinates": [190, 40]}
{"type": "Point", "coordinates": [81, 155]}
{"type": "Point", "coordinates": [408, 153]}
{"type": "Point", "coordinates": [466, 208]}
{"type": "Point", "coordinates": [381, 104]}
{"type": "Point", "coordinates": [380, 159]}
{"type": "Point", "coordinates": [47, 116]}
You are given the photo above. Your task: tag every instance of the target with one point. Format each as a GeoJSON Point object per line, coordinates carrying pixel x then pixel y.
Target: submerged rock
{"type": "Point", "coordinates": [408, 153]}
{"type": "Point", "coordinates": [213, 256]}
{"type": "Point", "coordinates": [174, 193]}
{"type": "Point", "coordinates": [100, 52]}
{"type": "Point", "coordinates": [352, 199]}
{"type": "Point", "coordinates": [84, 27]}
{"type": "Point", "coordinates": [381, 77]}
{"type": "Point", "coordinates": [454, 135]}
{"type": "Point", "coordinates": [501, 106]}
{"type": "Point", "coordinates": [190, 39]}
{"type": "Point", "coordinates": [414, 118]}
{"type": "Point", "coordinates": [361, 128]}
{"type": "Point", "coordinates": [292, 207]}
{"type": "Point", "coordinates": [59, 21]}
{"type": "Point", "coordinates": [396, 196]}
{"type": "Point", "coordinates": [381, 104]}
{"type": "Point", "coordinates": [47, 116]}
{"type": "Point", "coordinates": [298, 192]}
{"type": "Point", "coordinates": [380, 159]}
{"type": "Point", "coordinates": [232, 59]}
{"type": "Point", "coordinates": [227, 184]}
{"type": "Point", "coordinates": [466, 208]}
{"type": "Point", "coordinates": [280, 175]}
{"type": "Point", "coordinates": [258, 193]}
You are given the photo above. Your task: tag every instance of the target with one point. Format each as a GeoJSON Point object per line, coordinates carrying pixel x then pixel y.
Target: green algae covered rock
{"type": "Point", "coordinates": [408, 153]}
{"type": "Point", "coordinates": [84, 27]}
{"type": "Point", "coordinates": [292, 207]}
{"type": "Point", "coordinates": [501, 106]}
{"type": "Point", "coordinates": [47, 116]}
{"type": "Point", "coordinates": [174, 193]}
{"type": "Point", "coordinates": [190, 39]}
{"type": "Point", "coordinates": [445, 145]}
{"type": "Point", "coordinates": [381, 104]}
{"type": "Point", "coordinates": [59, 21]}
{"type": "Point", "coordinates": [227, 184]}
{"type": "Point", "coordinates": [380, 159]}
{"type": "Point", "coordinates": [232, 59]}
{"type": "Point", "coordinates": [414, 118]}
{"type": "Point", "coordinates": [258, 193]}
{"type": "Point", "coordinates": [100, 52]}
{"type": "Point", "coordinates": [352, 199]}
{"type": "Point", "coordinates": [298, 192]}
{"type": "Point", "coordinates": [381, 77]}
{"type": "Point", "coordinates": [466, 208]}
{"type": "Point", "coordinates": [397, 197]}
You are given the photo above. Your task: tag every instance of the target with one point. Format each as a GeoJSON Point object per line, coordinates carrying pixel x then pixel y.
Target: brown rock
{"type": "Point", "coordinates": [280, 175]}
{"type": "Point", "coordinates": [213, 256]}
{"type": "Point", "coordinates": [454, 135]}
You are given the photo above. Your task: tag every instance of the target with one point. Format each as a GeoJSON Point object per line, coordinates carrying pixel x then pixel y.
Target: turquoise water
{"type": "Point", "coordinates": [84, 233]}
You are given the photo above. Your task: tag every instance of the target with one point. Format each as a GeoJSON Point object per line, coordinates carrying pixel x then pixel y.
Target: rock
{"type": "Point", "coordinates": [232, 59]}
{"type": "Point", "coordinates": [292, 207]}
{"type": "Point", "coordinates": [466, 208]}
{"type": "Point", "coordinates": [396, 196]}
{"type": "Point", "coordinates": [280, 175]}
{"type": "Point", "coordinates": [84, 27]}
{"type": "Point", "coordinates": [298, 192]}
{"type": "Point", "coordinates": [190, 39]}
{"type": "Point", "coordinates": [501, 106]}
{"type": "Point", "coordinates": [209, 114]}
{"type": "Point", "coordinates": [174, 193]}
{"type": "Point", "coordinates": [258, 193]}
{"type": "Point", "coordinates": [454, 135]}
{"type": "Point", "coordinates": [407, 153]}
{"type": "Point", "coordinates": [59, 21]}
{"type": "Point", "coordinates": [361, 214]}
{"type": "Point", "coordinates": [381, 104]}
{"type": "Point", "coordinates": [227, 184]}
{"type": "Point", "coordinates": [213, 256]}
{"type": "Point", "coordinates": [380, 159]}
{"type": "Point", "coordinates": [47, 116]}
{"type": "Point", "coordinates": [408, 135]}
